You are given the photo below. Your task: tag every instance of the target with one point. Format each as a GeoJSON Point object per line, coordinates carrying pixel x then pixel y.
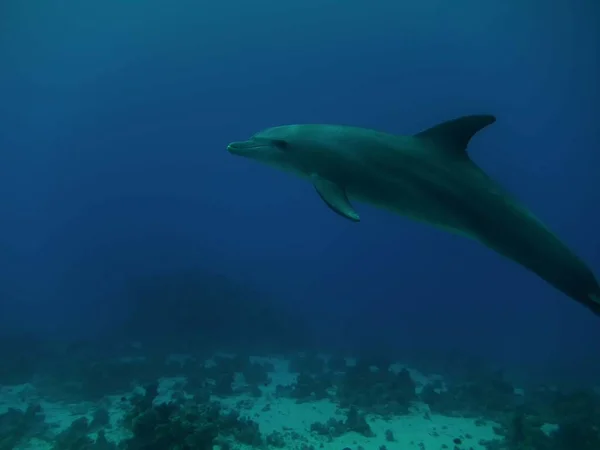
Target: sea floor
{"type": "Point", "coordinates": [296, 402]}
{"type": "Point", "coordinates": [291, 418]}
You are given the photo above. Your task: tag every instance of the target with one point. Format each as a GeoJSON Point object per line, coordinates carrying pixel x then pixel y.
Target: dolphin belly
{"type": "Point", "coordinates": [412, 198]}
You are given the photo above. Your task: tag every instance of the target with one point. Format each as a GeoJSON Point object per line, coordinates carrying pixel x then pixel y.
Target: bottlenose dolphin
{"type": "Point", "coordinates": [428, 177]}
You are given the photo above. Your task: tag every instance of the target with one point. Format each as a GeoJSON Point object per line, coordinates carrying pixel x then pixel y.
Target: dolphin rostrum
{"type": "Point", "coordinates": [428, 177]}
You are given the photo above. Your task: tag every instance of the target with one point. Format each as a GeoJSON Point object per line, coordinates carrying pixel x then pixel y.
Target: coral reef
{"type": "Point", "coordinates": [186, 425]}
{"type": "Point", "coordinates": [377, 390]}
{"type": "Point", "coordinates": [200, 401]}
{"type": "Point", "coordinates": [17, 426]}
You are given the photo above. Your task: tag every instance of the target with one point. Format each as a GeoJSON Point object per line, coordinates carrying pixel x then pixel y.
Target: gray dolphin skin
{"type": "Point", "coordinates": [428, 177]}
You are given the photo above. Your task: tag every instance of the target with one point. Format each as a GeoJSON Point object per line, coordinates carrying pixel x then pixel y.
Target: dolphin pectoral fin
{"type": "Point", "coordinates": [335, 197]}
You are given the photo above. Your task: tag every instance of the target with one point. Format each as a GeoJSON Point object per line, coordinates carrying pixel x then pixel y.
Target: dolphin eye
{"type": "Point", "coordinates": [280, 144]}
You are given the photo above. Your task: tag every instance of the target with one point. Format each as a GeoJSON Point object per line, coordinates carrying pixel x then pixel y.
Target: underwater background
{"type": "Point", "coordinates": [126, 226]}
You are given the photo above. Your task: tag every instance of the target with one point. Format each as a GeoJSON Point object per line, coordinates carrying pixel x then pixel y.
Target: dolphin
{"type": "Point", "coordinates": [428, 177]}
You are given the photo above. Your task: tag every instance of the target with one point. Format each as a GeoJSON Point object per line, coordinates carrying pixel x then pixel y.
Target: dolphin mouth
{"type": "Point", "coordinates": [241, 147]}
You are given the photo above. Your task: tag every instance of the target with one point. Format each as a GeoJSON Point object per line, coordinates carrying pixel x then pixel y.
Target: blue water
{"type": "Point", "coordinates": [114, 121]}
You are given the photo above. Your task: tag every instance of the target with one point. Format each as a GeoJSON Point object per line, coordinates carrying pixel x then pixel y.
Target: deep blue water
{"type": "Point", "coordinates": [114, 118]}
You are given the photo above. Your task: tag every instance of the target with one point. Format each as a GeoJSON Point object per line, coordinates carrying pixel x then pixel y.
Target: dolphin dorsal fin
{"type": "Point", "coordinates": [453, 136]}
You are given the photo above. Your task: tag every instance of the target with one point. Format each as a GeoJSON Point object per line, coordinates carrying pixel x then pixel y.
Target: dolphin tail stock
{"type": "Point", "coordinates": [594, 305]}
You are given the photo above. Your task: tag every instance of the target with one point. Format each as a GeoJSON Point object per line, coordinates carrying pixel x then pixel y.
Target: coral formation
{"type": "Point", "coordinates": [212, 401]}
